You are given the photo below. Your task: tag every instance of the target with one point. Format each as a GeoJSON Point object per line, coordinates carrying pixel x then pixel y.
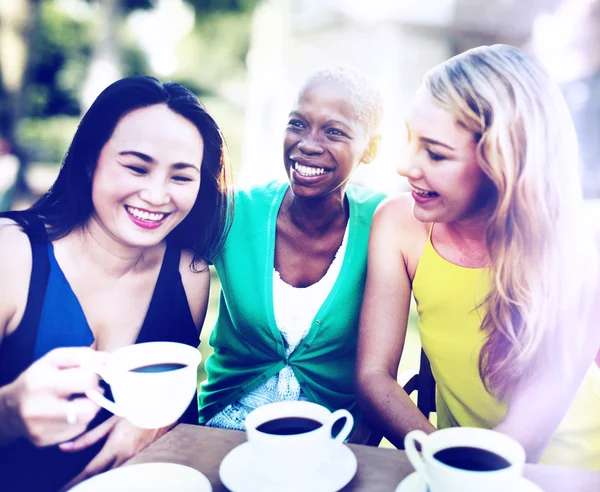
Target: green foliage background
{"type": "Point", "coordinates": [211, 56]}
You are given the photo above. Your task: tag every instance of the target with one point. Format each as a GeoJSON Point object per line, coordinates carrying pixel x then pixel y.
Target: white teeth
{"type": "Point", "coordinates": [308, 171]}
{"type": "Point", "coordinates": [424, 193]}
{"type": "Point", "coordinates": [143, 215]}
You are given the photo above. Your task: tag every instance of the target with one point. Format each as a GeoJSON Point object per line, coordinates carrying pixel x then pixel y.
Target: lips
{"type": "Point", "coordinates": [425, 194]}
{"type": "Point", "coordinates": [422, 196]}
{"type": "Point", "coordinates": [146, 218]}
{"type": "Point", "coordinates": [308, 171]}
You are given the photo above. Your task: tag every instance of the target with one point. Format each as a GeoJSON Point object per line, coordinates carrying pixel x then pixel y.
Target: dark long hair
{"type": "Point", "coordinates": [68, 203]}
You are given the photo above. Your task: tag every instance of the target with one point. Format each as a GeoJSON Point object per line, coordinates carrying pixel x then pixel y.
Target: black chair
{"type": "Point", "coordinates": [424, 384]}
{"type": "Point", "coordinates": [421, 382]}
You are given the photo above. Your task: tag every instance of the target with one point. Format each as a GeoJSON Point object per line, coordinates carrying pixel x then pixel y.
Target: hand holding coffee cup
{"type": "Point", "coordinates": [152, 383]}
{"type": "Point", "coordinates": [293, 439]}
{"type": "Point", "coordinates": [466, 459]}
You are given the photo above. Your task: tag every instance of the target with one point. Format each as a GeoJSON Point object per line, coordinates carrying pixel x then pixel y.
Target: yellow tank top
{"type": "Point", "coordinates": [447, 297]}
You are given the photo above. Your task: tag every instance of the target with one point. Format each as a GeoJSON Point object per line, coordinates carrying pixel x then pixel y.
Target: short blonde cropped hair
{"type": "Point", "coordinates": [366, 97]}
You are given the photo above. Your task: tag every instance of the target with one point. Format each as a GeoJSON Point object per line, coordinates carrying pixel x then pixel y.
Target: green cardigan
{"type": "Point", "coordinates": [248, 348]}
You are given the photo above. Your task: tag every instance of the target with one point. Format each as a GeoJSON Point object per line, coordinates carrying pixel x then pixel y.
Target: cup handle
{"type": "Point", "coordinates": [345, 432]}
{"type": "Point", "coordinates": [99, 398]}
{"type": "Point", "coordinates": [415, 436]}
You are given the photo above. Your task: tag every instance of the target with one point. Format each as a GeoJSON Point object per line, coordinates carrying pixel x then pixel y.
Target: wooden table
{"type": "Point", "coordinates": [379, 469]}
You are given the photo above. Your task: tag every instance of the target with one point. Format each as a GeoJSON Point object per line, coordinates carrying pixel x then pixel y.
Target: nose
{"type": "Point", "coordinates": [309, 144]}
{"type": "Point", "coordinates": [409, 166]}
{"type": "Point", "coordinates": [155, 192]}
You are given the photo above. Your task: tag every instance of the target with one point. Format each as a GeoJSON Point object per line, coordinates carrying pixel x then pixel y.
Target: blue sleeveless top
{"type": "Point", "coordinates": [53, 318]}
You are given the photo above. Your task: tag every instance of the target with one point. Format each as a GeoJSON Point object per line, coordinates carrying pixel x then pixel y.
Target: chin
{"type": "Point", "coordinates": [142, 241]}
{"type": "Point", "coordinates": [304, 191]}
{"type": "Point", "coordinates": [425, 216]}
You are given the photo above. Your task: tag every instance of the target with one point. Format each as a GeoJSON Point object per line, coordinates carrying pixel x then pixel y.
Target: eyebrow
{"type": "Point", "coordinates": [436, 142]}
{"type": "Point", "coordinates": [150, 160]}
{"type": "Point", "coordinates": [295, 114]}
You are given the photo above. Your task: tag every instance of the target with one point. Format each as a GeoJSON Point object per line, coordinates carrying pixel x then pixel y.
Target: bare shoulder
{"type": "Point", "coordinates": [395, 216]}
{"type": "Point", "coordinates": [15, 248]}
{"type": "Point", "coordinates": [196, 283]}
{"type": "Point", "coordinates": [15, 264]}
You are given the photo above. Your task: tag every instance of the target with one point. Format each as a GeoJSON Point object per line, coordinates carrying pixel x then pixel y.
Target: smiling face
{"type": "Point", "coordinates": [441, 165]}
{"type": "Point", "coordinates": [147, 177]}
{"type": "Point", "coordinates": [324, 140]}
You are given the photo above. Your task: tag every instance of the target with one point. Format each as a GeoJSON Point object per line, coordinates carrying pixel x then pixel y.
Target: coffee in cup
{"type": "Point", "coordinates": [466, 459]}
{"type": "Point", "coordinates": [152, 383]}
{"type": "Point", "coordinates": [292, 439]}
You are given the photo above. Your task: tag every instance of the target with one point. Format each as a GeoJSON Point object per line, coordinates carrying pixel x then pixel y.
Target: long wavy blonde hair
{"type": "Point", "coordinates": [540, 248]}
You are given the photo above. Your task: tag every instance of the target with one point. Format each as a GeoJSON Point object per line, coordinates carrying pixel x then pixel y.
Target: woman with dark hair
{"type": "Point", "coordinates": [115, 253]}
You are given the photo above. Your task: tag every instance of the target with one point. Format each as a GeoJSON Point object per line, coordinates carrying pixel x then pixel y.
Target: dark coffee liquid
{"type": "Point", "coordinates": [287, 426]}
{"type": "Point", "coordinates": [473, 459]}
{"type": "Point", "coordinates": [162, 367]}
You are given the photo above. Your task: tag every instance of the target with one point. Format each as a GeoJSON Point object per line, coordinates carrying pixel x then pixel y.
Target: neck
{"type": "Point", "coordinates": [96, 246]}
{"type": "Point", "coordinates": [316, 216]}
{"type": "Point", "coordinates": [471, 231]}
{"type": "Point", "coordinates": [467, 237]}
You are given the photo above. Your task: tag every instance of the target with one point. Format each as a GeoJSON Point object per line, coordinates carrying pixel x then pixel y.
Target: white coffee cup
{"type": "Point", "coordinates": [152, 383]}
{"type": "Point", "coordinates": [284, 458]}
{"type": "Point", "coordinates": [508, 458]}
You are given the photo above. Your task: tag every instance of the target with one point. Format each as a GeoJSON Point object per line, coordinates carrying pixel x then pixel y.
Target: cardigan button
{"type": "Point", "coordinates": [318, 321]}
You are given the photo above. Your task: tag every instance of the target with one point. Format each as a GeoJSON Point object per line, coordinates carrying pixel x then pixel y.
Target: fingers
{"type": "Point", "coordinates": [124, 441]}
{"type": "Point", "coordinates": [65, 371]}
{"type": "Point", "coordinates": [75, 381]}
{"type": "Point", "coordinates": [89, 438]}
{"type": "Point", "coordinates": [50, 420]}
{"type": "Point", "coordinates": [83, 409]}
{"type": "Point", "coordinates": [43, 408]}
{"type": "Point", "coordinates": [122, 444]}
{"type": "Point", "coordinates": [104, 460]}
{"type": "Point", "coordinates": [66, 357]}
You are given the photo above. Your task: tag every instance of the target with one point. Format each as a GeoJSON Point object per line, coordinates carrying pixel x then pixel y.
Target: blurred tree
{"type": "Point", "coordinates": [52, 51]}
{"type": "Point", "coordinates": [215, 6]}
{"type": "Point", "coordinates": [18, 25]}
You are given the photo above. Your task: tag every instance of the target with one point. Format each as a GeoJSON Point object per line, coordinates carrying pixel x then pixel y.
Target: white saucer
{"type": "Point", "coordinates": [237, 475]}
{"type": "Point", "coordinates": [414, 483]}
{"type": "Point", "coordinates": [147, 477]}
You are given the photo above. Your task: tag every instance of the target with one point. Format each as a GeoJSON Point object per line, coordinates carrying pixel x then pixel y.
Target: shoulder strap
{"type": "Point", "coordinates": [430, 231]}
{"type": "Point", "coordinates": [16, 351]}
{"type": "Point", "coordinates": [31, 224]}
{"type": "Point", "coordinates": [169, 317]}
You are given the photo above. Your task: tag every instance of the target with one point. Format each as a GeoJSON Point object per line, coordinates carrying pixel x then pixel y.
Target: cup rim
{"type": "Point", "coordinates": [515, 454]}
{"type": "Point", "coordinates": [126, 358]}
{"type": "Point", "coordinates": [292, 409]}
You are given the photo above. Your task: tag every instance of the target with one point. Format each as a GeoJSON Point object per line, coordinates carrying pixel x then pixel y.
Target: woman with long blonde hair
{"type": "Point", "coordinates": [494, 244]}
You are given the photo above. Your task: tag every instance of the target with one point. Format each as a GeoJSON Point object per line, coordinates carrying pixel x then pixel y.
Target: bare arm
{"type": "Point", "coordinates": [15, 270]}
{"type": "Point", "coordinates": [382, 332]}
{"type": "Point", "coordinates": [34, 406]}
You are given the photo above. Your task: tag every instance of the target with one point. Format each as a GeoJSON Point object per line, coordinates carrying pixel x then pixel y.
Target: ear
{"type": "Point", "coordinates": [371, 150]}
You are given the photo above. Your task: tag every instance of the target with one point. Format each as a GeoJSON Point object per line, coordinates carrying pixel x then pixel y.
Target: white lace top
{"type": "Point", "coordinates": [295, 308]}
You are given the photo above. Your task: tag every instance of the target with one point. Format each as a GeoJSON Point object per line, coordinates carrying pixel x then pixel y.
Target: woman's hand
{"type": "Point", "coordinates": [45, 404]}
{"type": "Point", "coordinates": [123, 442]}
